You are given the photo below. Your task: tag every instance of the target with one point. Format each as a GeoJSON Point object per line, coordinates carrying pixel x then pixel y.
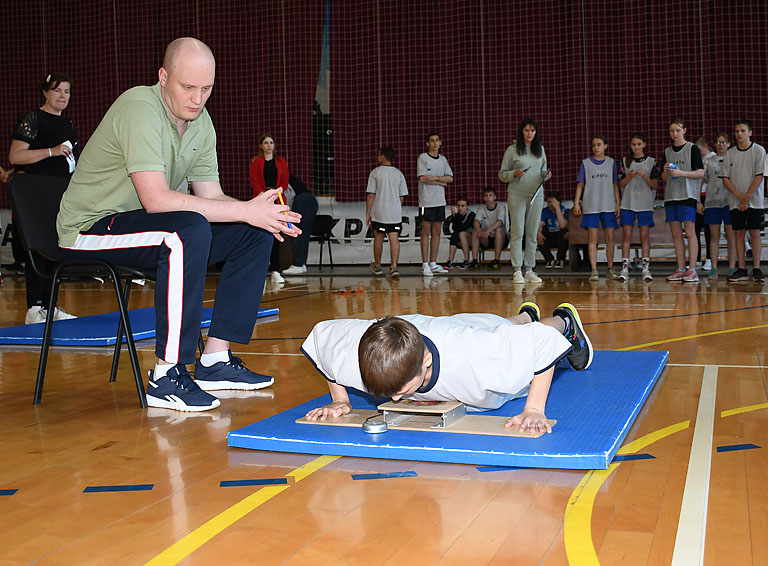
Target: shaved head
{"type": "Point", "coordinates": [183, 49]}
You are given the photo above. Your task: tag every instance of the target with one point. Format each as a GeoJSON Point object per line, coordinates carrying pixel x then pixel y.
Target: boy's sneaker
{"type": "Point", "coordinates": [713, 273]}
{"type": "Point", "coordinates": [61, 314]}
{"type": "Point", "coordinates": [462, 266]}
{"type": "Point", "coordinates": [229, 375]}
{"type": "Point", "coordinates": [580, 357]}
{"type": "Point", "coordinates": [676, 276]}
{"type": "Point", "coordinates": [531, 309]}
{"type": "Point", "coordinates": [757, 275]}
{"type": "Point", "coordinates": [277, 278]}
{"type": "Point", "coordinates": [647, 274]}
{"type": "Point", "coordinates": [295, 270]}
{"type": "Point", "coordinates": [436, 269]}
{"type": "Point", "coordinates": [495, 264]}
{"type": "Point", "coordinates": [624, 274]}
{"type": "Point", "coordinates": [707, 265]}
{"type": "Point", "coordinates": [611, 274]}
{"type": "Point", "coordinates": [557, 264]}
{"type": "Point", "coordinates": [518, 277]}
{"type": "Point", "coordinates": [178, 391]}
{"type": "Point", "coordinates": [531, 277]}
{"type": "Point", "coordinates": [731, 271]}
{"type": "Point", "coordinates": [473, 265]}
{"type": "Point", "coordinates": [691, 276]}
{"type": "Point", "coordinates": [594, 276]}
{"type": "Point", "coordinates": [393, 273]}
{"type": "Point", "coordinates": [35, 315]}
{"type": "Point", "coordinates": [550, 264]}
{"type": "Point", "coordinates": [375, 269]}
{"type": "Point", "coordinates": [739, 275]}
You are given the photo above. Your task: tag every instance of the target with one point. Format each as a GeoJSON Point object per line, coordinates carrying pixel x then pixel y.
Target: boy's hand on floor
{"type": "Point", "coordinates": [333, 410]}
{"type": "Point", "coordinates": [530, 420]}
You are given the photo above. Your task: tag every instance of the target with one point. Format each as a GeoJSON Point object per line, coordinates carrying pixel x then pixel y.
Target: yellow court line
{"type": "Point", "coordinates": [194, 540]}
{"type": "Point", "coordinates": [578, 512]}
{"type": "Point", "coordinates": [637, 347]}
{"type": "Point", "coordinates": [739, 410]}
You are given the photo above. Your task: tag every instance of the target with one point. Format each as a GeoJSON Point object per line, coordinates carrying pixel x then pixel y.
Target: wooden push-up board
{"type": "Point", "coordinates": [415, 415]}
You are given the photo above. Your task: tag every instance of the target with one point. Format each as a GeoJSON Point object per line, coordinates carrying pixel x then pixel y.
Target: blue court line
{"type": "Point", "coordinates": [675, 315]}
{"type": "Point", "coordinates": [628, 457]}
{"type": "Point", "coordinates": [8, 491]}
{"type": "Point", "coordinates": [110, 488]}
{"type": "Point", "coordinates": [242, 483]}
{"type": "Point", "coordinates": [497, 468]}
{"type": "Point", "coordinates": [735, 447]}
{"type": "Point", "coordinates": [409, 474]}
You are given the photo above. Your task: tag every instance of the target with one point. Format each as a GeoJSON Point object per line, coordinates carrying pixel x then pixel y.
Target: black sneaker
{"type": "Point", "coordinates": [473, 265]}
{"type": "Point", "coordinates": [580, 357]}
{"type": "Point", "coordinates": [739, 275]}
{"type": "Point", "coordinates": [531, 309]}
{"type": "Point", "coordinates": [376, 269]}
{"type": "Point", "coordinates": [231, 374]}
{"type": "Point", "coordinates": [496, 264]}
{"type": "Point", "coordinates": [178, 391]}
{"type": "Point", "coordinates": [757, 275]}
{"type": "Point", "coordinates": [462, 266]}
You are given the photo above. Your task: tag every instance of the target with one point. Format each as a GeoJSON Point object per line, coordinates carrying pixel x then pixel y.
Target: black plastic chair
{"type": "Point", "coordinates": [35, 203]}
{"type": "Point", "coordinates": [322, 232]}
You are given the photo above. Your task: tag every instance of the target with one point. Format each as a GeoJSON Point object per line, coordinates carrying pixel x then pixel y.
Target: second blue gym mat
{"type": "Point", "coordinates": [96, 329]}
{"type": "Point", "coordinates": [594, 410]}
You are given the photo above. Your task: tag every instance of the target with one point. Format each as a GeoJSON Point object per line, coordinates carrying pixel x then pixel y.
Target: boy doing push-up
{"type": "Point", "coordinates": [481, 360]}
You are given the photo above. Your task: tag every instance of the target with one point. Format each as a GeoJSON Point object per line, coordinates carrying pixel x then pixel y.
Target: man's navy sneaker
{"type": "Point", "coordinates": [178, 391]}
{"type": "Point", "coordinates": [580, 357]}
{"type": "Point", "coordinates": [229, 375]}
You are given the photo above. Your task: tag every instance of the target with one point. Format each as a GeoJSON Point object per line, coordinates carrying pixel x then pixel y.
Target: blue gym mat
{"type": "Point", "coordinates": [96, 329]}
{"type": "Point", "coordinates": [594, 410]}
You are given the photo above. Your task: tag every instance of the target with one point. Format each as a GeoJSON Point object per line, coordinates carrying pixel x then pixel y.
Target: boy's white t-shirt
{"type": "Point", "coordinates": [741, 166]}
{"type": "Point", "coordinates": [388, 184]}
{"type": "Point", "coordinates": [478, 359]}
{"type": "Point", "coordinates": [432, 195]}
{"type": "Point", "coordinates": [486, 218]}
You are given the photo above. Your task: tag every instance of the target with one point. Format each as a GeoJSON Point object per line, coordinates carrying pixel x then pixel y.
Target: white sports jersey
{"type": "Point", "coordinates": [598, 187]}
{"type": "Point", "coordinates": [717, 194]}
{"type": "Point", "coordinates": [432, 195]}
{"type": "Point", "coordinates": [477, 359]}
{"type": "Point", "coordinates": [741, 166]}
{"type": "Point", "coordinates": [637, 195]}
{"type": "Point", "coordinates": [681, 188]}
{"type": "Point", "coordinates": [486, 218]}
{"type": "Point", "coordinates": [388, 184]}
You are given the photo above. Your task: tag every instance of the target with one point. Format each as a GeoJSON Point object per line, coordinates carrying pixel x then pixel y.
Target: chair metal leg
{"type": "Point", "coordinates": [320, 267]}
{"type": "Point", "coordinates": [46, 340]}
{"type": "Point", "coordinates": [330, 252]}
{"type": "Point", "coordinates": [119, 339]}
{"type": "Point", "coordinates": [129, 338]}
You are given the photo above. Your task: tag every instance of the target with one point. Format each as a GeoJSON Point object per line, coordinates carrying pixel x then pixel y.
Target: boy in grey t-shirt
{"type": "Point", "coordinates": [384, 209]}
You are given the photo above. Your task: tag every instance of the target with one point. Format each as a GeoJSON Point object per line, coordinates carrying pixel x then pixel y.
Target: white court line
{"type": "Point", "coordinates": [692, 526]}
{"type": "Point", "coordinates": [737, 366]}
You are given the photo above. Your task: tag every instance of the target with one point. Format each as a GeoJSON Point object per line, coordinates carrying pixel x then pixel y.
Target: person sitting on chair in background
{"type": "Point", "coordinates": [43, 143]}
{"type": "Point", "coordinates": [490, 229]}
{"type": "Point", "coordinates": [461, 221]}
{"type": "Point", "coordinates": [268, 170]}
{"type": "Point", "coordinates": [303, 202]}
{"type": "Point", "coordinates": [553, 232]}
{"type": "Point", "coordinates": [122, 206]}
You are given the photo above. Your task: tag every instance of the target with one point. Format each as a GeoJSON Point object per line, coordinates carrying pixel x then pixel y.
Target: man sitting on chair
{"type": "Point", "coordinates": [123, 206]}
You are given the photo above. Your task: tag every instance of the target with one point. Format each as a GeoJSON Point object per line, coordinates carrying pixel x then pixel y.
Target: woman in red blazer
{"type": "Point", "coordinates": [268, 170]}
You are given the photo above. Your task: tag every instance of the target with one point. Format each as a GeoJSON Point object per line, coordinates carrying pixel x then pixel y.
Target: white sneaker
{"type": "Point", "coordinates": [295, 270]}
{"type": "Point", "coordinates": [61, 314]}
{"type": "Point", "coordinates": [518, 277]}
{"type": "Point", "coordinates": [531, 277]}
{"type": "Point", "coordinates": [708, 265]}
{"type": "Point", "coordinates": [647, 274]}
{"type": "Point", "coordinates": [35, 315]}
{"type": "Point", "coordinates": [435, 268]}
{"type": "Point", "coordinates": [277, 278]}
{"type": "Point", "coordinates": [594, 276]}
{"type": "Point", "coordinates": [624, 274]}
{"type": "Point", "coordinates": [426, 272]}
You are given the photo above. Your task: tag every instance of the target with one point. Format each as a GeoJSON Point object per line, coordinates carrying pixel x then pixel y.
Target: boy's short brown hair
{"type": "Point", "coordinates": [390, 354]}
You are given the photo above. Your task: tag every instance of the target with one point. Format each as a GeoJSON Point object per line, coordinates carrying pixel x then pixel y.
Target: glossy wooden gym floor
{"type": "Point", "coordinates": [88, 432]}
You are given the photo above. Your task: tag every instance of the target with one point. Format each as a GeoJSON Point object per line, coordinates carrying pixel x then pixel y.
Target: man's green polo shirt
{"type": "Point", "coordinates": [136, 134]}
